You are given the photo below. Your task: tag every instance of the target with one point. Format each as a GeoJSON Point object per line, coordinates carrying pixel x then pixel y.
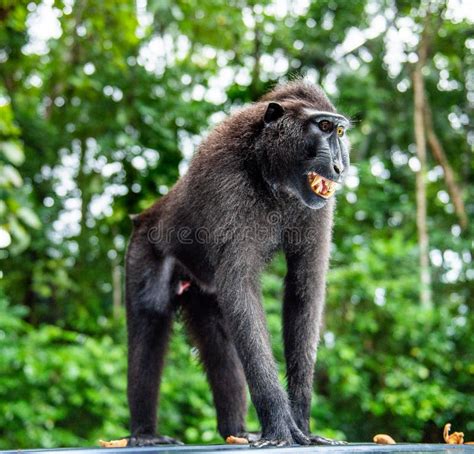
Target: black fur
{"type": "Point", "coordinates": [245, 196]}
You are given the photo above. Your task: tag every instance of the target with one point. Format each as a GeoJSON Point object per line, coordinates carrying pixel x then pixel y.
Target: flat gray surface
{"type": "Point", "coordinates": [229, 449]}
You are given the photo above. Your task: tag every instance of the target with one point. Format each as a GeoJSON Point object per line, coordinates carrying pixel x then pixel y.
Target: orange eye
{"type": "Point", "coordinates": [325, 126]}
{"type": "Point", "coordinates": [340, 131]}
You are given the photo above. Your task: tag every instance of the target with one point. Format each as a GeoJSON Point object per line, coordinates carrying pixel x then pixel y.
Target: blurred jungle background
{"type": "Point", "coordinates": [102, 104]}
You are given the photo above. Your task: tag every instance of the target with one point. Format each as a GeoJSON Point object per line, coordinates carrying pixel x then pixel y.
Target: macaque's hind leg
{"type": "Point", "coordinates": [148, 339]}
{"type": "Point", "coordinates": [149, 320]}
{"type": "Point", "coordinates": [210, 333]}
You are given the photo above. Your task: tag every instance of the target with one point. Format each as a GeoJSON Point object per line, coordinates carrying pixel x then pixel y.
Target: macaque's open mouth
{"type": "Point", "coordinates": [321, 186]}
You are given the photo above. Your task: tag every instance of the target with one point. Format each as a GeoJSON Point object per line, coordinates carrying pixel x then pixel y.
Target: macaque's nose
{"type": "Point", "coordinates": [337, 169]}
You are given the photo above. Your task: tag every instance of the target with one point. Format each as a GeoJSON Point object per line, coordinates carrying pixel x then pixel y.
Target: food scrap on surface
{"type": "Point", "coordinates": [231, 440]}
{"type": "Point", "coordinates": [114, 443]}
{"type": "Point", "coordinates": [384, 439]}
{"type": "Point", "coordinates": [456, 438]}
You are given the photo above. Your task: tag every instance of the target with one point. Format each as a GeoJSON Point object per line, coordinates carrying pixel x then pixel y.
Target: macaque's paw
{"type": "Point", "coordinates": [296, 438]}
{"type": "Point", "coordinates": [299, 437]}
{"type": "Point", "coordinates": [317, 440]}
{"type": "Point", "coordinates": [271, 442]}
{"type": "Point", "coordinates": [141, 441]}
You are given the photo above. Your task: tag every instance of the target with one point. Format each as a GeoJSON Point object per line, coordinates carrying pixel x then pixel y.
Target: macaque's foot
{"type": "Point", "coordinates": [317, 440]}
{"type": "Point", "coordinates": [141, 441]}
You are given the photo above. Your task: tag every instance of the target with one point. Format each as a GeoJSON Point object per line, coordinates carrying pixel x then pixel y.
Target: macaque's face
{"type": "Point", "coordinates": [325, 159]}
{"type": "Point", "coordinates": [313, 151]}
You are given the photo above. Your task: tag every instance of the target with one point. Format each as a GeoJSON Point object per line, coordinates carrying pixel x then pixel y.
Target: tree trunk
{"type": "Point", "coordinates": [438, 152]}
{"type": "Point", "coordinates": [420, 141]}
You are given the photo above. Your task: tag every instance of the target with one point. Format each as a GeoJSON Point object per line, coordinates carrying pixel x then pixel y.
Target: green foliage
{"type": "Point", "coordinates": [16, 213]}
{"type": "Point", "coordinates": [59, 387]}
{"type": "Point", "coordinates": [101, 119]}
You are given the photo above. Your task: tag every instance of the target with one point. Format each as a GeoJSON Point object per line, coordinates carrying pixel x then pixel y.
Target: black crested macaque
{"type": "Point", "coordinates": [263, 180]}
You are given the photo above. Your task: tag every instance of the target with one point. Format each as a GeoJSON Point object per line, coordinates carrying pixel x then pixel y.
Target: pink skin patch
{"type": "Point", "coordinates": [183, 286]}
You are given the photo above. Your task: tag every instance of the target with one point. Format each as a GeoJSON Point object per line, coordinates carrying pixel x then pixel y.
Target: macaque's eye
{"type": "Point", "coordinates": [326, 126]}
{"type": "Point", "coordinates": [340, 131]}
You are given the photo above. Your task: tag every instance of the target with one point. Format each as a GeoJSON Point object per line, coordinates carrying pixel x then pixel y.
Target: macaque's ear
{"type": "Point", "coordinates": [274, 112]}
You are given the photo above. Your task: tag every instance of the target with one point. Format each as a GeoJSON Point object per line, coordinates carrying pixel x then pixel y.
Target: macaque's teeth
{"type": "Point", "coordinates": [321, 186]}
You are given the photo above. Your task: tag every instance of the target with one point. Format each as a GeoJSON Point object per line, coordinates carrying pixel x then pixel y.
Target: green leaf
{"type": "Point", "coordinates": [13, 152]}
{"type": "Point", "coordinates": [29, 217]}
{"type": "Point", "coordinates": [9, 175]}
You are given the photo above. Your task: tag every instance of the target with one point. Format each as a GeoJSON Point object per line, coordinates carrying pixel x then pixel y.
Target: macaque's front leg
{"type": "Point", "coordinates": [302, 312]}
{"type": "Point", "coordinates": [239, 297]}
